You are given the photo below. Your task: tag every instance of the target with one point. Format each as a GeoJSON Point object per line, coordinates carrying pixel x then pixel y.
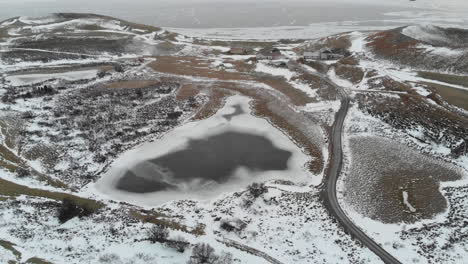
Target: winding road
{"type": "Point", "coordinates": [334, 169]}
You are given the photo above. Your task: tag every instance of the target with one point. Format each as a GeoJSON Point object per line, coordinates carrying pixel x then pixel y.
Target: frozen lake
{"type": "Point", "coordinates": [204, 159]}
{"type": "Point", "coordinates": [211, 159]}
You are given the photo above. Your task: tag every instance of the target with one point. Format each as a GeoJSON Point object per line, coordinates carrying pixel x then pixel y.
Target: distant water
{"type": "Point", "coordinates": [230, 14]}
{"type": "Point", "coordinates": [212, 159]}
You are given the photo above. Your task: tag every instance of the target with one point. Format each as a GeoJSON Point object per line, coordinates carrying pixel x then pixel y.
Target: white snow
{"type": "Point", "coordinates": [322, 106]}
{"type": "Point", "coordinates": [339, 81]}
{"type": "Point", "coordinates": [424, 32]}
{"type": "Point", "coordinates": [405, 248]}
{"type": "Point", "coordinates": [422, 91]}
{"type": "Point", "coordinates": [357, 42]}
{"type": "Point", "coordinates": [276, 71]}
{"type": "Point", "coordinates": [37, 20]}
{"type": "Point", "coordinates": [26, 79]}
{"type": "Point", "coordinates": [304, 87]}
{"type": "Point", "coordinates": [405, 201]}
{"type": "Point", "coordinates": [443, 51]}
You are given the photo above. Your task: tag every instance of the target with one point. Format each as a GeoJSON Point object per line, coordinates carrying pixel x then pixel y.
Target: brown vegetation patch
{"type": "Point", "coordinates": [35, 260]}
{"type": "Point", "coordinates": [187, 91]}
{"type": "Point", "coordinates": [390, 43]}
{"type": "Point", "coordinates": [102, 67]}
{"type": "Point", "coordinates": [371, 74]}
{"type": "Point", "coordinates": [11, 127]}
{"type": "Point", "coordinates": [215, 102]}
{"type": "Point", "coordinates": [11, 189]}
{"type": "Point", "coordinates": [324, 90]}
{"type": "Point", "coordinates": [132, 84]}
{"type": "Point", "coordinates": [392, 85]}
{"type": "Point", "coordinates": [461, 80]}
{"type": "Point", "coordinates": [350, 60]}
{"type": "Point", "coordinates": [234, 43]}
{"type": "Point", "coordinates": [333, 42]}
{"type": "Point", "coordinates": [351, 73]}
{"type": "Point", "coordinates": [242, 66]}
{"type": "Point", "coordinates": [454, 96]}
{"type": "Point", "coordinates": [408, 112]}
{"type": "Point", "coordinates": [49, 156]}
{"type": "Point", "coordinates": [296, 96]}
{"type": "Point", "coordinates": [381, 170]}
{"type": "Point", "coordinates": [160, 219]}
{"type": "Point", "coordinates": [194, 66]}
{"type": "Point", "coordinates": [317, 162]}
{"type": "Point", "coordinates": [319, 66]}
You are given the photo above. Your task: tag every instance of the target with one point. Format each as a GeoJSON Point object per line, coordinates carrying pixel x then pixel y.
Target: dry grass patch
{"type": "Point", "coordinates": [454, 96]}
{"type": "Point", "coordinates": [11, 128]}
{"type": "Point", "coordinates": [392, 85]}
{"type": "Point", "coordinates": [375, 187]}
{"type": "Point", "coordinates": [193, 66]}
{"type": "Point", "coordinates": [187, 91]}
{"type": "Point", "coordinates": [10, 247]}
{"type": "Point", "coordinates": [350, 60]}
{"type": "Point", "coordinates": [36, 260]}
{"type": "Point", "coordinates": [12, 163]}
{"type": "Point", "coordinates": [215, 102]}
{"type": "Point", "coordinates": [157, 219]}
{"type": "Point", "coordinates": [11, 189]}
{"type": "Point", "coordinates": [388, 43]}
{"type": "Point", "coordinates": [319, 66]}
{"type": "Point", "coordinates": [297, 97]}
{"type": "Point", "coordinates": [350, 73]}
{"type": "Point", "coordinates": [132, 84]}
{"type": "Point", "coordinates": [446, 78]}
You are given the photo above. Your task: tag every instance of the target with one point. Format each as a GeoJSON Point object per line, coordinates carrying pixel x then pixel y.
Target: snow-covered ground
{"type": "Point", "coordinates": [417, 242]}
{"type": "Point", "coordinates": [26, 79]}
{"type": "Point", "coordinates": [89, 240]}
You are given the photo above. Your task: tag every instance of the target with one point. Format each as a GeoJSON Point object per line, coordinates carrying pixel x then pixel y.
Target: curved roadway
{"type": "Point", "coordinates": [329, 185]}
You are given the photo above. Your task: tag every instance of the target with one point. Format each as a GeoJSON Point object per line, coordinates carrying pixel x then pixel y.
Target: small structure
{"type": "Point", "coordinates": [323, 54]}
{"type": "Point", "coordinates": [238, 51]}
{"type": "Point", "coordinates": [269, 54]}
{"type": "Point", "coordinates": [310, 56]}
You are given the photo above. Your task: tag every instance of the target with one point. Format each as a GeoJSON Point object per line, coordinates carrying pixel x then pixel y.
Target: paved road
{"type": "Point", "coordinates": [329, 187]}
{"type": "Point", "coordinates": [333, 172]}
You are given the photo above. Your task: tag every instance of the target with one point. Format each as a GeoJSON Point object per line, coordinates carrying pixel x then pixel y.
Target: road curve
{"type": "Point", "coordinates": [332, 174]}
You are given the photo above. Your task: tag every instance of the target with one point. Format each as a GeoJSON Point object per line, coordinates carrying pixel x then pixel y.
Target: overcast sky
{"type": "Point", "coordinates": [235, 13]}
{"type": "Point", "coordinates": [444, 4]}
